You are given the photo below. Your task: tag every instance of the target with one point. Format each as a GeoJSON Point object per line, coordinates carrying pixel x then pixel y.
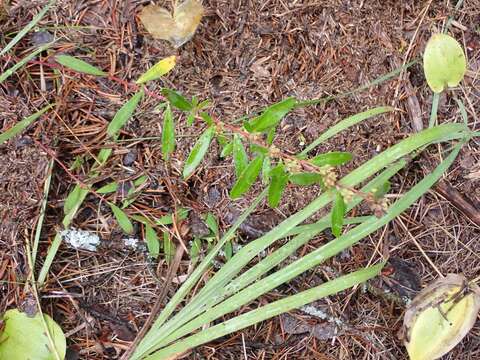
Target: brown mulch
{"type": "Point", "coordinates": [246, 55]}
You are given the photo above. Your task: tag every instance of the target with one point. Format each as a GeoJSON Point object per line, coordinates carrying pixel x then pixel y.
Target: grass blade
{"type": "Point", "coordinates": [268, 311]}
{"type": "Point", "coordinates": [247, 178]}
{"type": "Point", "coordinates": [158, 70]}
{"type": "Point", "coordinates": [168, 133]}
{"type": "Point", "coordinates": [27, 28]}
{"type": "Point", "coordinates": [124, 114]}
{"type": "Point", "coordinates": [345, 124]}
{"type": "Point", "coordinates": [7, 73]}
{"type": "Point", "coordinates": [23, 124]}
{"type": "Point", "coordinates": [78, 65]}
{"type": "Point", "coordinates": [198, 152]}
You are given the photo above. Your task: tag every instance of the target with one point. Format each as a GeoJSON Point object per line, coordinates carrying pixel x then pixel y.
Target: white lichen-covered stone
{"type": "Point", "coordinates": [81, 239]}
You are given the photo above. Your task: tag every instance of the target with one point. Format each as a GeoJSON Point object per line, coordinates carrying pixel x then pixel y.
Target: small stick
{"type": "Point", "coordinates": [460, 201]}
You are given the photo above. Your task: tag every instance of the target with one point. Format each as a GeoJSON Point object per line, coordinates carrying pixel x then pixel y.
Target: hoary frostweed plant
{"type": "Point", "coordinates": [186, 320]}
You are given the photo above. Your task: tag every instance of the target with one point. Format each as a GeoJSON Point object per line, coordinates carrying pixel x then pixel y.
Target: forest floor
{"type": "Point", "coordinates": [245, 55]}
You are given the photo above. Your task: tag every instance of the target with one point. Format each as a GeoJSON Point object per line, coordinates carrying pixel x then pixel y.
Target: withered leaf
{"type": "Point", "coordinates": [176, 29]}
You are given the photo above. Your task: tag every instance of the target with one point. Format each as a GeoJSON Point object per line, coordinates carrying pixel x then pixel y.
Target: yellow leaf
{"type": "Point", "coordinates": [158, 70]}
{"type": "Point", "coordinates": [440, 316]}
{"type": "Point", "coordinates": [177, 29]}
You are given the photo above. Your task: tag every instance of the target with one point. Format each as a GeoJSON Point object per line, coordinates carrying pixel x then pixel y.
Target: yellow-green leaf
{"type": "Point", "coordinates": [24, 337]}
{"type": "Point", "coordinates": [440, 316]}
{"type": "Point", "coordinates": [158, 70]}
{"type": "Point", "coordinates": [444, 62]}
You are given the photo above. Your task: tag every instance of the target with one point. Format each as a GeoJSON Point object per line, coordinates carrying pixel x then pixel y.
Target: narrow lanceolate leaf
{"type": "Point", "coordinates": [305, 179]}
{"type": "Point", "coordinates": [153, 244]}
{"type": "Point", "coordinates": [247, 178]}
{"type": "Point", "coordinates": [198, 152]}
{"type": "Point", "coordinates": [124, 114]}
{"type": "Point", "coordinates": [158, 70]}
{"type": "Point", "coordinates": [23, 124]}
{"type": "Point", "coordinates": [227, 150]}
{"type": "Point", "coordinates": [266, 170]}
{"type": "Point", "coordinates": [122, 219]}
{"type": "Point", "coordinates": [195, 251]}
{"type": "Point", "coordinates": [212, 224]}
{"type": "Point", "coordinates": [272, 115]}
{"type": "Point", "coordinates": [78, 65]}
{"type": "Point", "coordinates": [228, 250]}
{"type": "Point", "coordinates": [168, 247]}
{"type": "Point", "coordinates": [240, 157]}
{"type": "Point", "coordinates": [108, 188]}
{"type": "Point", "coordinates": [177, 100]}
{"type": "Point", "coordinates": [168, 133]}
{"type": "Point", "coordinates": [333, 158]}
{"type": "Point", "coordinates": [338, 213]}
{"type": "Point", "coordinates": [277, 185]}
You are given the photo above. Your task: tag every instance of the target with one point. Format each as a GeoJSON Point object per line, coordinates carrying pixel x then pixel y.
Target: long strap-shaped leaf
{"type": "Point", "coordinates": [273, 260]}
{"type": "Point", "coordinates": [27, 28]}
{"type": "Point", "coordinates": [229, 270]}
{"type": "Point", "coordinates": [314, 258]}
{"type": "Point", "coordinates": [268, 311]}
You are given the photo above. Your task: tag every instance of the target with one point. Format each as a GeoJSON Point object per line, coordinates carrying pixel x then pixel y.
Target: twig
{"type": "Point", "coordinates": [459, 200]}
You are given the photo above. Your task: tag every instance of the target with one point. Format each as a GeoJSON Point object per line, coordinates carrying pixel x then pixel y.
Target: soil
{"type": "Point", "coordinates": [245, 55]}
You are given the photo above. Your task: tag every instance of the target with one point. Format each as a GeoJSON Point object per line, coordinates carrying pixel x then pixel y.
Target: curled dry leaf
{"type": "Point", "coordinates": [440, 316]}
{"type": "Point", "coordinates": [177, 29]}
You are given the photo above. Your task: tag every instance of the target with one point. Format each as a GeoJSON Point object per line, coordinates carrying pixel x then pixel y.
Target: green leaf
{"type": "Point", "coordinates": [198, 152]}
{"type": "Point", "coordinates": [140, 181]}
{"type": "Point", "coordinates": [444, 62]}
{"type": "Point", "coordinates": [78, 65]}
{"type": "Point", "coordinates": [266, 169]}
{"type": "Point", "coordinates": [338, 213]}
{"type": "Point", "coordinates": [122, 219]}
{"type": "Point", "coordinates": [258, 149]}
{"type": "Point", "coordinates": [227, 150]}
{"type": "Point", "coordinates": [108, 188]}
{"type": "Point", "coordinates": [272, 115]}
{"type": "Point", "coordinates": [195, 250]}
{"type": "Point", "coordinates": [24, 337]}
{"type": "Point", "coordinates": [153, 244]}
{"type": "Point", "coordinates": [124, 114]}
{"type": "Point", "coordinates": [247, 178]}
{"type": "Point", "coordinates": [271, 135]}
{"type": "Point", "coordinates": [72, 199]}
{"type": "Point", "coordinates": [158, 70]}
{"type": "Point", "coordinates": [212, 224]}
{"type": "Point", "coordinates": [228, 250]}
{"type": "Point", "coordinates": [240, 157]}
{"type": "Point", "coordinates": [23, 124]}
{"type": "Point", "coordinates": [277, 185]}
{"type": "Point", "coordinates": [168, 248]}
{"type": "Point", "coordinates": [305, 179]}
{"type": "Point", "coordinates": [207, 118]}
{"type": "Point", "coordinates": [168, 134]}
{"type": "Point", "coordinates": [177, 100]}
{"type": "Point", "coordinates": [382, 190]}
{"type": "Point", "coordinates": [191, 118]}
{"type": "Point", "coordinates": [333, 158]}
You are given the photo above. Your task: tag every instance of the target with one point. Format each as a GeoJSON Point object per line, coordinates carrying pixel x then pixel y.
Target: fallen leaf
{"type": "Point", "coordinates": [444, 62]}
{"type": "Point", "coordinates": [177, 29]}
{"type": "Point", "coordinates": [440, 316]}
{"type": "Point", "coordinates": [24, 337]}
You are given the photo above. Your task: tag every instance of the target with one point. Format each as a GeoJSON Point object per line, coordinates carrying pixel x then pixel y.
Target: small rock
{"type": "Point", "coordinates": [81, 239]}
{"type": "Point", "coordinates": [197, 226]}
{"type": "Point", "coordinates": [40, 38]}
{"type": "Point", "coordinates": [130, 157]}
